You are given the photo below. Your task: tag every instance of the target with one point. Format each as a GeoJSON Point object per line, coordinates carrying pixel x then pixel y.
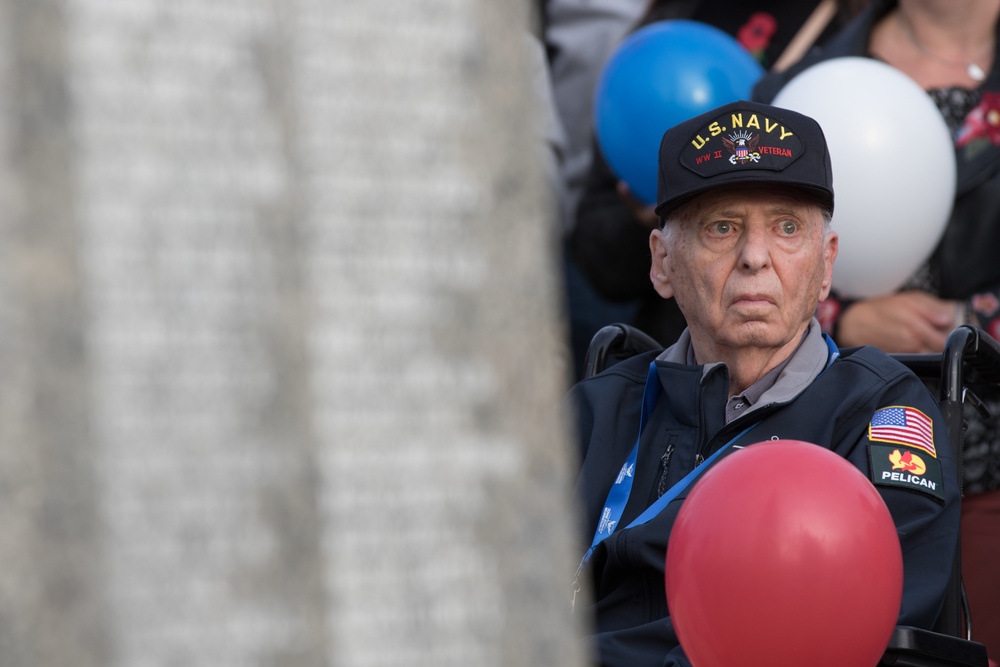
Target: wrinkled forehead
{"type": "Point", "coordinates": [732, 199]}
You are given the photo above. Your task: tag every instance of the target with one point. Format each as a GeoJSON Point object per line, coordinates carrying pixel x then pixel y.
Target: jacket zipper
{"type": "Point", "coordinates": [699, 457]}
{"type": "Point", "coordinates": [661, 485]}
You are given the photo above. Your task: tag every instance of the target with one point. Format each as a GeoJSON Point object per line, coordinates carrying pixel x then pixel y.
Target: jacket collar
{"type": "Point", "coordinates": [807, 362]}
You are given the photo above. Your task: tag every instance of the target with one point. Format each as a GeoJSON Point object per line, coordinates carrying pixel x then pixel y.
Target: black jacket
{"type": "Point", "coordinates": [626, 571]}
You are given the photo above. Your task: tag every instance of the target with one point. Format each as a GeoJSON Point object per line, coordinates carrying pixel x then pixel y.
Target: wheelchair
{"type": "Point", "coordinates": [971, 358]}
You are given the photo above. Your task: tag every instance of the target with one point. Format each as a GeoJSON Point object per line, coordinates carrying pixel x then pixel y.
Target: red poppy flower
{"type": "Point", "coordinates": [755, 35]}
{"type": "Point", "coordinates": [983, 121]}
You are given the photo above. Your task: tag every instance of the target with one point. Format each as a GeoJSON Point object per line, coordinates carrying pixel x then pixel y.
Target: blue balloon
{"type": "Point", "coordinates": [661, 75]}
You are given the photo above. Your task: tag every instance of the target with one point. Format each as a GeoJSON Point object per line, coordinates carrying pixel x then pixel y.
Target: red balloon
{"type": "Point", "coordinates": [784, 554]}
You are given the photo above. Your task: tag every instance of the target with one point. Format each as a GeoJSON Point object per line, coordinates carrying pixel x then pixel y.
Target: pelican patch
{"type": "Point", "coordinates": [906, 468]}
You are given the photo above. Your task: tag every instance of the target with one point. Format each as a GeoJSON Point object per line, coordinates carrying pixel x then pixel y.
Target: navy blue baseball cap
{"type": "Point", "coordinates": [742, 142]}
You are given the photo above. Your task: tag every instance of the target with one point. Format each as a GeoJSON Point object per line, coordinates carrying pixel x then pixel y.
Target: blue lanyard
{"type": "Point", "coordinates": [618, 497]}
{"type": "Point", "coordinates": [614, 506]}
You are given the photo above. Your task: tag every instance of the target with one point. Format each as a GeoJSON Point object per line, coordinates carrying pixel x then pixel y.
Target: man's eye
{"type": "Point", "coordinates": [789, 227]}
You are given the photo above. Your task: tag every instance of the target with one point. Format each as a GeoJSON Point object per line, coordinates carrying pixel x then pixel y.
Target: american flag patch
{"type": "Point", "coordinates": [903, 426]}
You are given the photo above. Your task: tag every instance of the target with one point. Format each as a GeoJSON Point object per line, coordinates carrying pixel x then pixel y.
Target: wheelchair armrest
{"type": "Point", "coordinates": [613, 343]}
{"type": "Point", "coordinates": [916, 647]}
{"type": "Point", "coordinates": [972, 356]}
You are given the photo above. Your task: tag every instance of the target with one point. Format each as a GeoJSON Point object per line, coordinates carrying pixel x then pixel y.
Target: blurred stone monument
{"type": "Point", "coordinates": [279, 338]}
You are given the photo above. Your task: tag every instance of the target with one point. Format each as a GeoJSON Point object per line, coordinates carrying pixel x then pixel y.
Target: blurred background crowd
{"type": "Point", "coordinates": [909, 98]}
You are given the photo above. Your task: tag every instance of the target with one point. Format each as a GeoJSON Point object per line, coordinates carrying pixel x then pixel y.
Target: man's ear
{"type": "Point", "coordinates": [830, 249]}
{"type": "Point", "coordinates": [658, 273]}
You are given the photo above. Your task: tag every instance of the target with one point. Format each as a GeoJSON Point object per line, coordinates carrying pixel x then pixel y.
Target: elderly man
{"type": "Point", "coordinates": [745, 246]}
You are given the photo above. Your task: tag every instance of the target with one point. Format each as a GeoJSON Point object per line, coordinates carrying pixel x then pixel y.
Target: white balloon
{"type": "Point", "coordinates": [893, 168]}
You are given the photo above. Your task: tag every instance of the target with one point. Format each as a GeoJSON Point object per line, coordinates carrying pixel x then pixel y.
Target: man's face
{"type": "Point", "coordinates": [746, 264]}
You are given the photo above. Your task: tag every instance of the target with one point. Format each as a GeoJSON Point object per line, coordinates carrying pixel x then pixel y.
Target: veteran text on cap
{"type": "Point", "coordinates": [742, 142]}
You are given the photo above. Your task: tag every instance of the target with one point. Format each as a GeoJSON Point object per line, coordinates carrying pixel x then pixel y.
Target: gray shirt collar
{"type": "Point", "coordinates": [781, 384]}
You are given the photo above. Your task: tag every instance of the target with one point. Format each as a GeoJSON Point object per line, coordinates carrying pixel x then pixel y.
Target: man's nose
{"type": "Point", "coordinates": [755, 250]}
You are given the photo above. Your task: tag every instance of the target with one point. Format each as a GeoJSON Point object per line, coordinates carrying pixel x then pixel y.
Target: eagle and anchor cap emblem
{"type": "Point", "coordinates": [742, 142]}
